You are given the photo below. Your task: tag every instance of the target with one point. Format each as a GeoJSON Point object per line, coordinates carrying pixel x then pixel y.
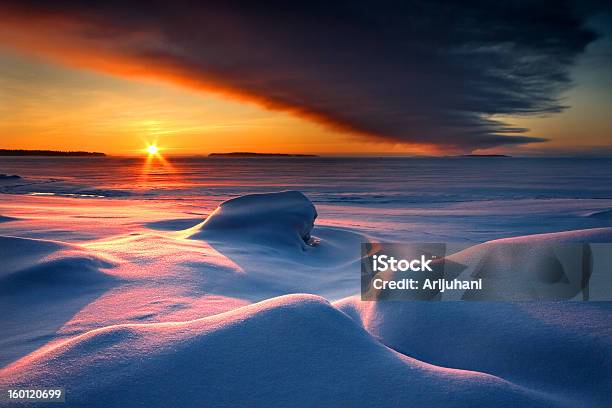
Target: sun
{"type": "Point", "coordinates": [152, 150]}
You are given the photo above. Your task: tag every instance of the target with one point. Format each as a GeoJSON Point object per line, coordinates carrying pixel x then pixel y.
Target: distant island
{"type": "Point", "coordinates": [250, 154]}
{"type": "Point", "coordinates": [22, 152]}
{"type": "Point", "coordinates": [9, 176]}
{"type": "Point", "coordinates": [484, 155]}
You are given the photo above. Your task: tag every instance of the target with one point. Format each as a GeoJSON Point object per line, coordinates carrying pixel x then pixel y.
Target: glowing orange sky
{"type": "Point", "coordinates": [61, 102]}
{"type": "Point", "coordinates": [52, 106]}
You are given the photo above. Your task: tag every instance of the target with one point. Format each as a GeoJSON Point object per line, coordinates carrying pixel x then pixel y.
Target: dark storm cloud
{"type": "Point", "coordinates": [431, 72]}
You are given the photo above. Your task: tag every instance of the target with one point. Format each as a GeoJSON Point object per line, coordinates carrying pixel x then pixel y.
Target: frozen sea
{"type": "Point", "coordinates": [413, 199]}
{"type": "Point", "coordinates": [125, 281]}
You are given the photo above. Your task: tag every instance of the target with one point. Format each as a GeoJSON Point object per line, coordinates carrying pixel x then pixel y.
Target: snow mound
{"type": "Point", "coordinates": [34, 263]}
{"type": "Point", "coordinates": [538, 267]}
{"type": "Point", "coordinates": [42, 285]}
{"type": "Point", "coordinates": [560, 348]}
{"type": "Point", "coordinates": [295, 350]}
{"type": "Point", "coordinates": [269, 238]}
{"type": "Point", "coordinates": [18, 253]}
{"type": "Point", "coordinates": [275, 219]}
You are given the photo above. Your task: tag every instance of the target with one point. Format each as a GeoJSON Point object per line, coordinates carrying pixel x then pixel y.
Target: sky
{"type": "Point", "coordinates": [385, 77]}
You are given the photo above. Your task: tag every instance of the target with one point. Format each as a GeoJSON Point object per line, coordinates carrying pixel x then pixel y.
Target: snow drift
{"type": "Point", "coordinates": [42, 285]}
{"type": "Point", "coordinates": [271, 238]}
{"type": "Point", "coordinates": [30, 264]}
{"type": "Point", "coordinates": [563, 348]}
{"type": "Point", "coordinates": [274, 219]}
{"type": "Point", "coordinates": [289, 351]}
{"type": "Point", "coordinates": [158, 318]}
{"type": "Point", "coordinates": [540, 267]}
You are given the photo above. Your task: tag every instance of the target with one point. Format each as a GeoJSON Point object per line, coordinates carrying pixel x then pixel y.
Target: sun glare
{"type": "Point", "coordinates": [155, 162]}
{"type": "Point", "coordinates": [152, 150]}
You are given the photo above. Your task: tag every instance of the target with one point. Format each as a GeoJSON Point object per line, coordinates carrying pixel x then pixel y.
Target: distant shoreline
{"type": "Point", "coordinates": [250, 154]}
{"type": "Point", "coordinates": [54, 153]}
{"type": "Point", "coordinates": [484, 155]}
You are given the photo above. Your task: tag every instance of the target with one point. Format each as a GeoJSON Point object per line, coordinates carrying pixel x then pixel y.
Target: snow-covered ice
{"type": "Point", "coordinates": [226, 299]}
